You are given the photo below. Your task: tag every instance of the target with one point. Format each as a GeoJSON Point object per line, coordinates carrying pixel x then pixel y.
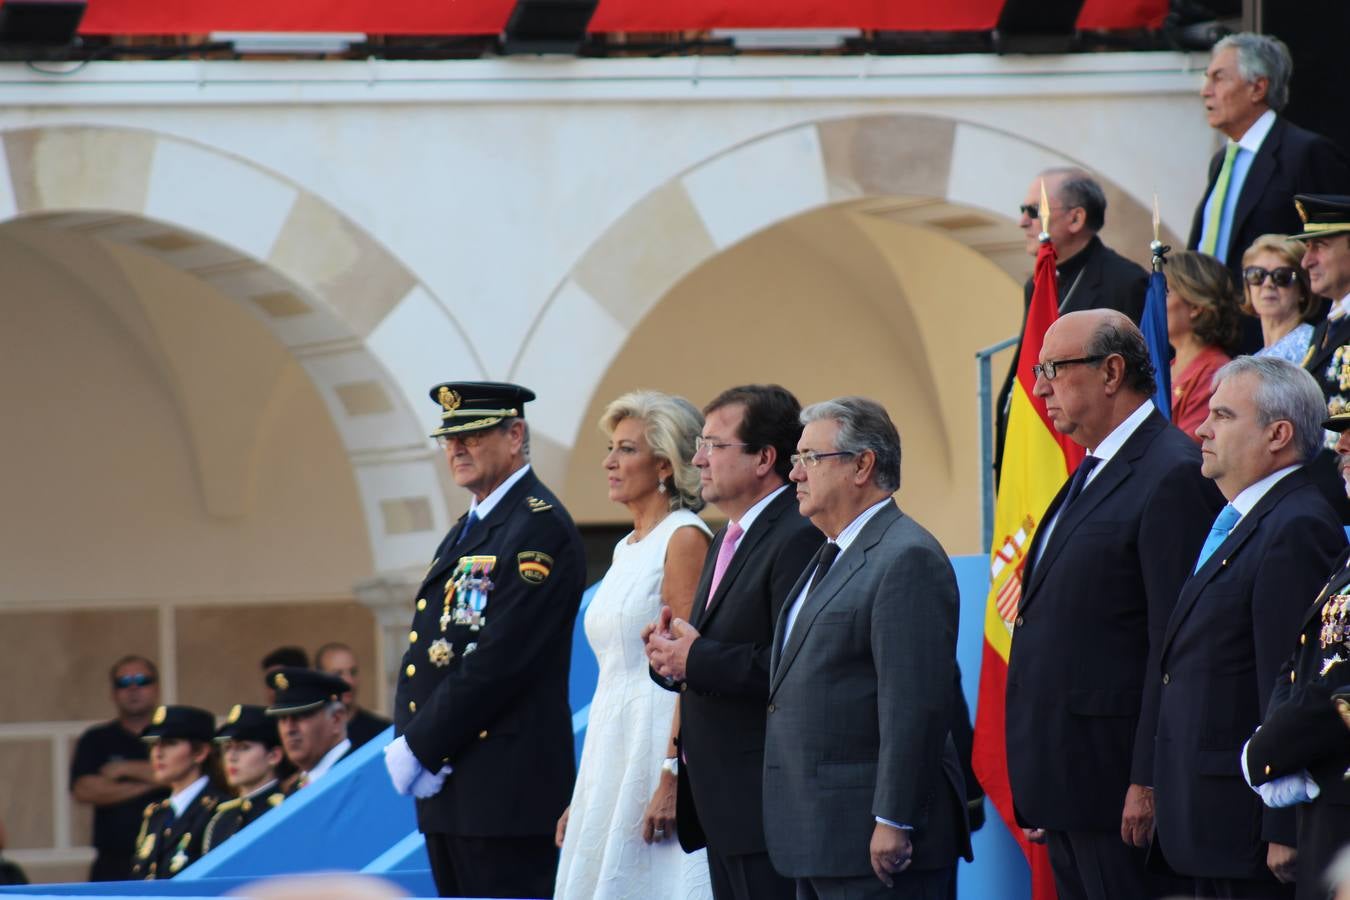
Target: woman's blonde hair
{"type": "Point", "coordinates": [1205, 283]}
{"type": "Point", "coordinates": [1291, 251]}
{"type": "Point", "coordinates": [670, 426]}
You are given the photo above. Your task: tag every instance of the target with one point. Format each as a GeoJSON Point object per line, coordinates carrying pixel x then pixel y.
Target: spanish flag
{"type": "Point", "coordinates": [1036, 461]}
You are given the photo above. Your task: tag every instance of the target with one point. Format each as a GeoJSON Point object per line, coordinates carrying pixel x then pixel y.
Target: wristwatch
{"type": "Point", "coordinates": [671, 765]}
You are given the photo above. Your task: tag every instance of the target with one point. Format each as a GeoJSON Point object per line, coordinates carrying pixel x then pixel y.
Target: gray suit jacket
{"type": "Point", "coordinates": [858, 709]}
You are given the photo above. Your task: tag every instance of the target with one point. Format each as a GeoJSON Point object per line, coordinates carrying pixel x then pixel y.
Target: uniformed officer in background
{"type": "Point", "coordinates": [183, 759]}
{"type": "Point", "coordinates": [252, 752]}
{"type": "Point", "coordinates": [481, 704]}
{"type": "Point", "coordinates": [311, 722]}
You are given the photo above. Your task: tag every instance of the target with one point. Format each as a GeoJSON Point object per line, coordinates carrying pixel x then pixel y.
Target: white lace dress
{"type": "Point", "coordinates": [603, 855]}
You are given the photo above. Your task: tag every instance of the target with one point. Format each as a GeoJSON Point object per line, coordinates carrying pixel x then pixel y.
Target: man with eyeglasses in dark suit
{"type": "Point", "coordinates": [111, 768]}
{"type": "Point", "coordinates": [1091, 274]}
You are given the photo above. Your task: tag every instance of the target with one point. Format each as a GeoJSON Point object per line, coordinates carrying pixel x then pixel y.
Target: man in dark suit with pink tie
{"type": "Point", "coordinates": [719, 660]}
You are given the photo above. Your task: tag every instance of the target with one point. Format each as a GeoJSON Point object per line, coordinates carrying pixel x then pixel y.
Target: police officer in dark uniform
{"type": "Point", "coordinates": [183, 760]}
{"type": "Point", "coordinates": [1326, 238]}
{"type": "Point", "coordinates": [1300, 755]}
{"type": "Point", "coordinates": [252, 752]}
{"type": "Point", "coordinates": [311, 721]}
{"type": "Point", "coordinates": [485, 732]}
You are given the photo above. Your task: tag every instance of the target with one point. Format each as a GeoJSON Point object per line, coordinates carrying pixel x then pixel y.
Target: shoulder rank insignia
{"type": "Point", "coordinates": [534, 566]}
{"type": "Point", "coordinates": [537, 505]}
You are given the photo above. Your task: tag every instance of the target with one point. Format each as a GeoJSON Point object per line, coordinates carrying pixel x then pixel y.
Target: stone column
{"type": "Point", "coordinates": [390, 596]}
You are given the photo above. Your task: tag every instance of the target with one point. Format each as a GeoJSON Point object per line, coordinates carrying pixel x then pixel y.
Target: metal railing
{"type": "Point", "coordinates": [984, 362]}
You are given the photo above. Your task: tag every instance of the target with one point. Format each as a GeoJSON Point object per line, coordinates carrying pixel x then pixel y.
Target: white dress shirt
{"type": "Point", "coordinates": [844, 539]}
{"type": "Point", "coordinates": [183, 799]}
{"type": "Point", "coordinates": [484, 508]}
{"type": "Point", "coordinates": [326, 762]}
{"type": "Point", "coordinates": [1252, 493]}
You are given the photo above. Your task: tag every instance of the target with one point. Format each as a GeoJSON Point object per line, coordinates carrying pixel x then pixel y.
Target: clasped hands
{"type": "Point", "coordinates": [408, 775]}
{"type": "Point", "coordinates": [667, 642]}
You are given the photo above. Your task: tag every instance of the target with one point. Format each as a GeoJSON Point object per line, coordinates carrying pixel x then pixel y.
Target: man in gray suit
{"type": "Point", "coordinates": [863, 794]}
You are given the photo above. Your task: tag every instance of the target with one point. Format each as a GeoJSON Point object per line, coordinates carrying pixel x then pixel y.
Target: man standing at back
{"type": "Point", "coordinates": [1233, 625]}
{"type": "Point", "coordinates": [1091, 274]}
{"type": "Point", "coordinates": [719, 660]}
{"type": "Point", "coordinates": [485, 732]}
{"type": "Point", "coordinates": [339, 660]}
{"type": "Point", "coordinates": [1266, 159]}
{"type": "Point", "coordinates": [863, 795]}
{"type": "Point", "coordinates": [111, 768]}
{"type": "Point", "coordinates": [1102, 575]}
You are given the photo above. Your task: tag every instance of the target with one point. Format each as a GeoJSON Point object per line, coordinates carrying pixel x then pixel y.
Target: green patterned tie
{"type": "Point", "coordinates": [1211, 241]}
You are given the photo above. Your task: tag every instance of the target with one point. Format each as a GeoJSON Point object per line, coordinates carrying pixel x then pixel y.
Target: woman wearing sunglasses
{"type": "Point", "coordinates": [1276, 291]}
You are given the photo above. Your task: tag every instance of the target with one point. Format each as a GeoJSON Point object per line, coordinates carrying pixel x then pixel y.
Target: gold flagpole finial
{"type": "Point", "coordinates": [1156, 247]}
{"type": "Point", "coordinates": [1045, 214]}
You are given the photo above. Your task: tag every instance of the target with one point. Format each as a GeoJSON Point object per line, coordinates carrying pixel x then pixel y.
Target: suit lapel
{"type": "Point", "coordinates": [1088, 283]}
{"type": "Point", "coordinates": [1198, 220]}
{"type": "Point", "coordinates": [1110, 476]}
{"type": "Point", "coordinates": [494, 520]}
{"type": "Point", "coordinates": [705, 579]}
{"type": "Point", "coordinates": [1231, 547]}
{"type": "Point", "coordinates": [762, 525]}
{"type": "Point", "coordinates": [1339, 579]}
{"type": "Point", "coordinates": [1327, 336]}
{"type": "Point", "coordinates": [1259, 174]}
{"type": "Point", "coordinates": [848, 562]}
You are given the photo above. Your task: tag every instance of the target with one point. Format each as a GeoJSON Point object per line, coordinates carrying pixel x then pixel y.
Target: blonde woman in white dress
{"type": "Point", "coordinates": [618, 836]}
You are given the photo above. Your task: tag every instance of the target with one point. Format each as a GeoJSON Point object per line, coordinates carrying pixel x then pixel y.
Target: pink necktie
{"type": "Point", "coordinates": [724, 555]}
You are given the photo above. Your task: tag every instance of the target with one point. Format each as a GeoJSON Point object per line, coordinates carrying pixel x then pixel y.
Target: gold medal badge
{"type": "Point", "coordinates": [440, 653]}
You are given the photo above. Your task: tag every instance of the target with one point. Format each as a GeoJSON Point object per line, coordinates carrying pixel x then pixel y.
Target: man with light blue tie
{"type": "Point", "coordinates": [1266, 159]}
{"type": "Point", "coordinates": [1268, 550]}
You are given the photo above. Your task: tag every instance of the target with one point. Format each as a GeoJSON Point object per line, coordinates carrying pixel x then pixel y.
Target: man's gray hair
{"type": "Point", "coordinates": [1080, 189]}
{"type": "Point", "coordinates": [1262, 56]}
{"type": "Point", "coordinates": [863, 425]}
{"type": "Point", "coordinates": [505, 424]}
{"type": "Point", "coordinates": [1283, 391]}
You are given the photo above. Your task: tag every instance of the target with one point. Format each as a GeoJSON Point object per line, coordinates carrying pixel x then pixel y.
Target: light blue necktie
{"type": "Point", "coordinates": [1218, 533]}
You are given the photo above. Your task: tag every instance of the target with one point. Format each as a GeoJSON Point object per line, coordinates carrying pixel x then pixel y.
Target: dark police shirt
{"type": "Point", "coordinates": [115, 825]}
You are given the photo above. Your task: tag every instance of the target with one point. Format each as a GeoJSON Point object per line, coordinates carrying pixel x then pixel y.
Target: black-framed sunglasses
{"type": "Point", "coordinates": [137, 680]}
{"type": "Point", "coordinates": [1050, 368]}
{"type": "Point", "coordinates": [1283, 276]}
{"type": "Point", "coordinates": [1033, 211]}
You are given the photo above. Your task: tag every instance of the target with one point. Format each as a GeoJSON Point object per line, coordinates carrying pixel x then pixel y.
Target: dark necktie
{"type": "Point", "coordinates": [1079, 480]}
{"type": "Point", "coordinates": [824, 559]}
{"type": "Point", "coordinates": [469, 524]}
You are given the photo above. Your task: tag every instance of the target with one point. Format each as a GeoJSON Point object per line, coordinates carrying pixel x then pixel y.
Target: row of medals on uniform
{"type": "Point", "coordinates": [468, 586]}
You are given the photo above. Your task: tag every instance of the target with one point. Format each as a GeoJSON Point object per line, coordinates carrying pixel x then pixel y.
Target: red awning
{"type": "Point", "coordinates": [463, 17]}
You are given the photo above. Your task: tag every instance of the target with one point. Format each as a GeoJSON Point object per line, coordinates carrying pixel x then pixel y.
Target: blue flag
{"type": "Point", "coordinates": [1154, 327]}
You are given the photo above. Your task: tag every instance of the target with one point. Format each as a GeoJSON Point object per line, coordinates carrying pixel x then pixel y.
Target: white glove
{"type": "Point", "coordinates": [404, 769]}
{"type": "Point", "coordinates": [429, 785]}
{"type": "Point", "coordinates": [1289, 791]}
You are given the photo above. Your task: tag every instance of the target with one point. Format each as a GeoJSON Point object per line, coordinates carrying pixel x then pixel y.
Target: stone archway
{"type": "Point", "coordinates": [343, 305]}
{"type": "Point", "coordinates": [367, 333]}
{"type": "Point", "coordinates": [951, 180]}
